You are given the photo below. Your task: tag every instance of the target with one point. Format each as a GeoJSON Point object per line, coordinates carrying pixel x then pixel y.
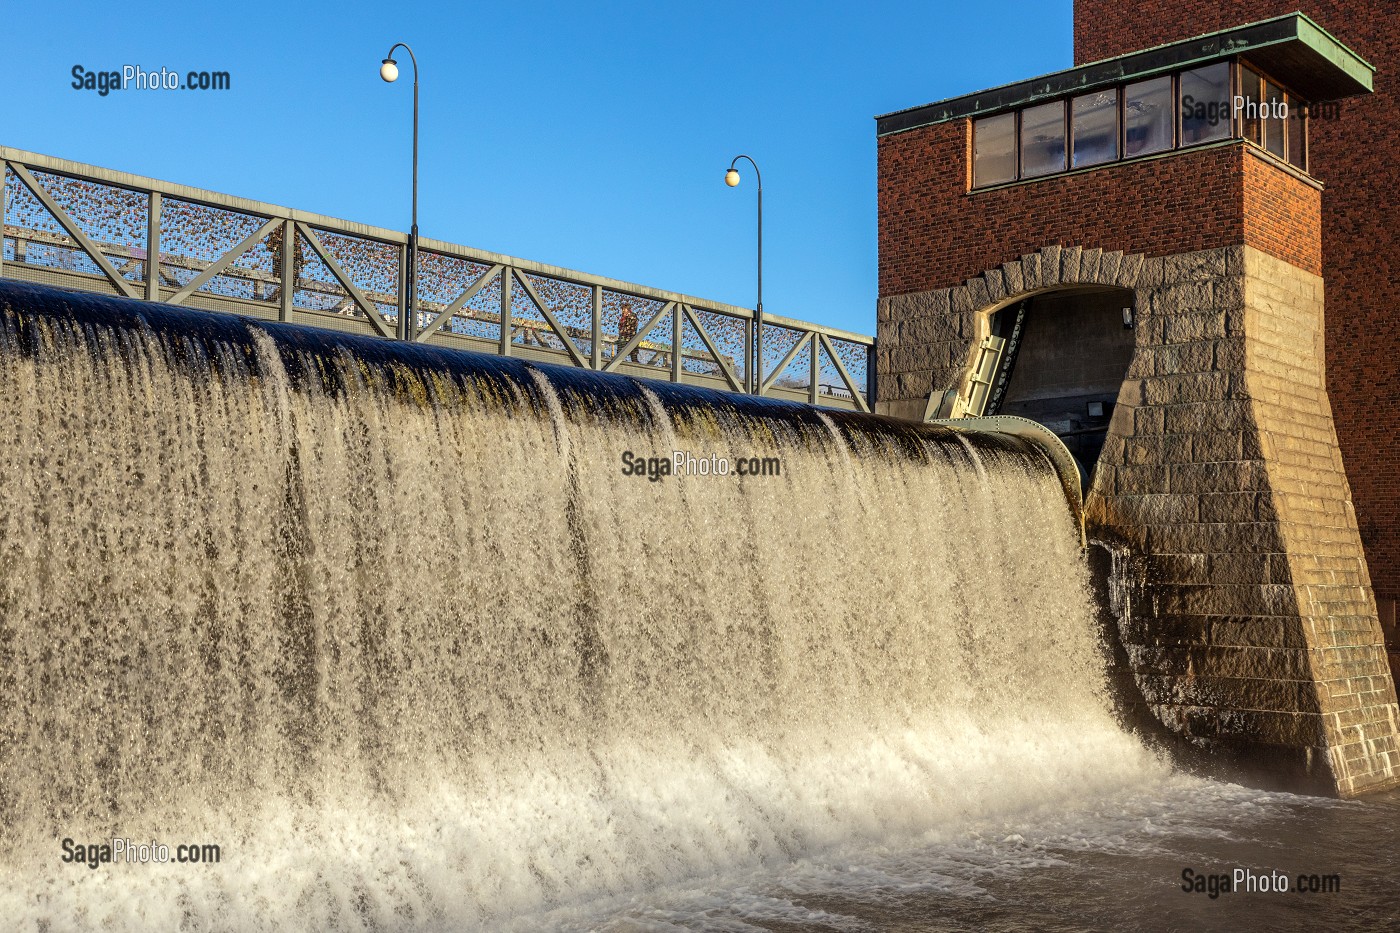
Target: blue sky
{"type": "Point", "coordinates": [589, 135]}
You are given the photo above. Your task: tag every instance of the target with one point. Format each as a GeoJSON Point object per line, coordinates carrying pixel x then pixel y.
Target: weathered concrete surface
{"type": "Point", "coordinates": [1246, 612]}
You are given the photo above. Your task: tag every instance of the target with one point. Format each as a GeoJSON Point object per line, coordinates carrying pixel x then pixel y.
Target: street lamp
{"type": "Point", "coordinates": [408, 321]}
{"type": "Point", "coordinates": [731, 178]}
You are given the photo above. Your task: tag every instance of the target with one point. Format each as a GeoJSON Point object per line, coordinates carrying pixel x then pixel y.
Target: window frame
{"type": "Point", "coordinates": [1118, 128]}
{"type": "Point", "coordinates": [1065, 161]}
{"type": "Point", "coordinates": [1237, 64]}
{"type": "Point", "coordinates": [1015, 150]}
{"type": "Point", "coordinates": [1174, 143]}
{"type": "Point", "coordinates": [1232, 72]}
{"type": "Point", "coordinates": [1293, 100]}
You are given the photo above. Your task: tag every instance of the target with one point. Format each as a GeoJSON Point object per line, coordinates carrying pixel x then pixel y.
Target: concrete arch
{"type": "Point", "coordinates": [927, 341]}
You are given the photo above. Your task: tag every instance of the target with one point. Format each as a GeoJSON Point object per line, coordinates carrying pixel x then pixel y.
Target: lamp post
{"type": "Point", "coordinates": [731, 178]}
{"type": "Point", "coordinates": [408, 321]}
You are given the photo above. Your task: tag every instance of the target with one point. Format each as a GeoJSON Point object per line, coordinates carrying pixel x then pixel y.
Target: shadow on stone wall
{"type": "Point", "coordinates": [1120, 586]}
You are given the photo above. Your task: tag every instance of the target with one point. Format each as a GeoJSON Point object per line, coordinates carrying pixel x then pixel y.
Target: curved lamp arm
{"type": "Point", "coordinates": [757, 174]}
{"type": "Point", "coordinates": [389, 59]}
{"type": "Point", "coordinates": [731, 178]}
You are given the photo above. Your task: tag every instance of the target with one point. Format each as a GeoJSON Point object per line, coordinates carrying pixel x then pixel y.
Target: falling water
{"type": "Point", "coordinates": [391, 627]}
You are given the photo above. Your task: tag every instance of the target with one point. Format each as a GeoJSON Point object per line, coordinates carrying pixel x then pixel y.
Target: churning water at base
{"type": "Point", "coordinates": [393, 629]}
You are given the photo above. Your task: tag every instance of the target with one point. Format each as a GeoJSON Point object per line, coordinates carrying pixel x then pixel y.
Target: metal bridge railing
{"type": "Point", "coordinates": [78, 226]}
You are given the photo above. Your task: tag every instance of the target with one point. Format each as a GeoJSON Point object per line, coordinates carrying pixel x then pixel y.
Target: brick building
{"type": "Point", "coordinates": [1135, 252]}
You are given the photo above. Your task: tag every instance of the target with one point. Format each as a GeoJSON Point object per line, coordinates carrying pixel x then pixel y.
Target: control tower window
{"type": "Point", "coordinates": [994, 150]}
{"type": "Point", "coordinates": [1095, 128]}
{"type": "Point", "coordinates": [1148, 116]}
{"type": "Point", "coordinates": [1043, 139]}
{"type": "Point", "coordinates": [1205, 104]}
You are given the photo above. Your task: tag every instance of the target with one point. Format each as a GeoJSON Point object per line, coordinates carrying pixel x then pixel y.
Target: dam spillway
{"type": "Point", "coordinates": [392, 626]}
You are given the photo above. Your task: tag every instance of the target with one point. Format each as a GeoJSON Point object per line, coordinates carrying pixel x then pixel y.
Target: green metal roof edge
{"type": "Point", "coordinates": [1329, 47]}
{"type": "Point", "coordinates": [1046, 87]}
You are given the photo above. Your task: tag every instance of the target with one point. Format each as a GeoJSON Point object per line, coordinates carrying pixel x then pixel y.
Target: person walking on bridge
{"type": "Point", "coordinates": [626, 330]}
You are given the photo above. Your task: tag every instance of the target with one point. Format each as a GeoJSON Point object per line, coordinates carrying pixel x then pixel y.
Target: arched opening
{"type": "Point", "coordinates": [1063, 361]}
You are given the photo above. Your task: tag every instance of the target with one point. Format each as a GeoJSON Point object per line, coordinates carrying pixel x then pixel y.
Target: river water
{"type": "Point", "coordinates": [1114, 863]}
{"type": "Point", "coordinates": [400, 633]}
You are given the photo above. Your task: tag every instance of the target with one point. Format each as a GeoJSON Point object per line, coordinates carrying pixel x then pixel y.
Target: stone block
{"type": "Point", "coordinates": [1229, 354]}
{"type": "Point", "coordinates": [1143, 479]}
{"type": "Point", "coordinates": [1158, 509]}
{"type": "Point", "coordinates": [938, 302]}
{"type": "Point", "coordinates": [1189, 387]}
{"type": "Point", "coordinates": [1011, 275]}
{"type": "Point", "coordinates": [1129, 270]}
{"type": "Point", "coordinates": [1252, 662]}
{"type": "Point", "coordinates": [907, 358]}
{"type": "Point", "coordinates": [914, 384]}
{"type": "Point", "coordinates": [1182, 298]}
{"type": "Point", "coordinates": [1202, 478]}
{"type": "Point", "coordinates": [1211, 448]}
{"type": "Point", "coordinates": [1050, 266]}
{"type": "Point", "coordinates": [1228, 292]}
{"type": "Point", "coordinates": [887, 332]}
{"type": "Point", "coordinates": [1178, 358]}
{"type": "Point", "coordinates": [1109, 264]}
{"type": "Point", "coordinates": [1247, 568]}
{"type": "Point", "coordinates": [1141, 366]}
{"type": "Point", "coordinates": [1273, 727]}
{"type": "Point", "coordinates": [1069, 264]}
{"type": "Point", "coordinates": [1257, 631]}
{"type": "Point", "coordinates": [1178, 568]}
{"type": "Point", "coordinates": [1179, 327]}
{"type": "Point", "coordinates": [1150, 449]}
{"type": "Point", "coordinates": [977, 294]}
{"type": "Point", "coordinates": [1194, 266]}
{"type": "Point", "coordinates": [1030, 271]}
{"type": "Point", "coordinates": [927, 329]}
{"type": "Point", "coordinates": [996, 285]}
{"type": "Point", "coordinates": [1229, 415]}
{"type": "Point", "coordinates": [1089, 265]}
{"type": "Point", "coordinates": [1150, 275]}
{"type": "Point", "coordinates": [1149, 420]}
{"type": "Point", "coordinates": [1229, 506]}
{"type": "Point", "coordinates": [1234, 260]}
{"type": "Point", "coordinates": [964, 301]}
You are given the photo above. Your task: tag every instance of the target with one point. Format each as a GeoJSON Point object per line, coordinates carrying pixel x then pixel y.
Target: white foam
{"type": "Point", "coordinates": [429, 659]}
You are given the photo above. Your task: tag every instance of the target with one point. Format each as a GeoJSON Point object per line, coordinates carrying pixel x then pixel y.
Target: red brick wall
{"type": "Point", "coordinates": [934, 234]}
{"type": "Point", "coordinates": [1281, 215]}
{"type": "Point", "coordinates": [1354, 156]}
{"type": "Point", "coordinates": [1107, 28]}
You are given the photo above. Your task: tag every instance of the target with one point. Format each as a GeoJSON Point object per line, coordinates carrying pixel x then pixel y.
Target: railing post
{"type": "Point", "coordinates": [677, 332]}
{"type": "Point", "coordinates": [506, 274]}
{"type": "Point", "coordinates": [870, 387]}
{"type": "Point", "coordinates": [814, 388]}
{"type": "Point", "coordinates": [752, 374]}
{"type": "Point", "coordinates": [289, 270]}
{"type": "Point", "coordinates": [597, 346]}
{"type": "Point", "coordinates": [405, 333]}
{"type": "Point", "coordinates": [4, 177]}
{"type": "Point", "coordinates": [153, 247]}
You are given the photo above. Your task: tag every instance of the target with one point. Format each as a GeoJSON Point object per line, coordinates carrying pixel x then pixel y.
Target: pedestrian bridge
{"type": "Point", "coordinates": [82, 227]}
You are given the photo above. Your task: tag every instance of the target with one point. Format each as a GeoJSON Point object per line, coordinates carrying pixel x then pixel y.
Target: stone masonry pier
{"type": "Point", "coordinates": [1246, 615]}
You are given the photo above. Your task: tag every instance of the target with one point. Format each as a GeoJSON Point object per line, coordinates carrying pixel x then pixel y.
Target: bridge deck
{"type": "Point", "coordinates": [78, 226]}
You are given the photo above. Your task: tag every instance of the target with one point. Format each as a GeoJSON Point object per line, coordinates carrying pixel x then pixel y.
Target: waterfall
{"type": "Point", "coordinates": [394, 627]}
